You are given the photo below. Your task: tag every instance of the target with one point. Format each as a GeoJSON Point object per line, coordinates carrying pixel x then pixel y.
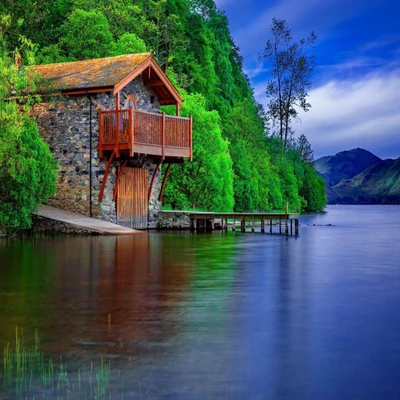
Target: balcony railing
{"type": "Point", "coordinates": [140, 132]}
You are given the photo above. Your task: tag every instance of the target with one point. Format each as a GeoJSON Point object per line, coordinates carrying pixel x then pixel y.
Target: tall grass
{"type": "Point", "coordinates": [27, 373]}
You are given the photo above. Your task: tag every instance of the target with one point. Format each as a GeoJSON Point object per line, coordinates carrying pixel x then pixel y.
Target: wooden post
{"type": "Point", "coordinates": [101, 133]}
{"type": "Point", "coordinates": [226, 224]}
{"type": "Point", "coordinates": [103, 184]}
{"type": "Point", "coordinates": [296, 226]}
{"type": "Point", "coordinates": [163, 134]}
{"type": "Point", "coordinates": [191, 137]}
{"type": "Point", "coordinates": [291, 226]}
{"type": "Point", "coordinates": [243, 224]}
{"type": "Point", "coordinates": [117, 123]}
{"type": "Point", "coordinates": [280, 225]}
{"type": "Point", "coordinates": [262, 225]}
{"type": "Point", "coordinates": [234, 224]}
{"type": "Point", "coordinates": [253, 224]}
{"type": "Point", "coordinates": [194, 223]}
{"type": "Point", "coordinates": [131, 133]}
{"type": "Point", "coordinates": [286, 225]}
{"type": "Point", "coordinates": [160, 196]}
{"type": "Point", "coordinates": [270, 225]}
{"type": "Point", "coordinates": [152, 179]}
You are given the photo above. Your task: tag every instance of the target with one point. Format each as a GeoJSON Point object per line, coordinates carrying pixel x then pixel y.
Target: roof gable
{"type": "Point", "coordinates": [111, 73]}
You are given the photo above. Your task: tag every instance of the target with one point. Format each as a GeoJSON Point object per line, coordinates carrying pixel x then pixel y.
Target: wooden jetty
{"type": "Point", "coordinates": [283, 221]}
{"type": "Point", "coordinates": [82, 222]}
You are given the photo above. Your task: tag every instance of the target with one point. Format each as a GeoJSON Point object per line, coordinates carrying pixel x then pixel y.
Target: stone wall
{"type": "Point", "coordinates": [174, 220]}
{"type": "Point", "coordinates": [64, 123]}
{"type": "Point", "coordinates": [46, 225]}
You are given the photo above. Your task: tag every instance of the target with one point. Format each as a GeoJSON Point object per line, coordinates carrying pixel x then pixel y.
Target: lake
{"type": "Point", "coordinates": [215, 316]}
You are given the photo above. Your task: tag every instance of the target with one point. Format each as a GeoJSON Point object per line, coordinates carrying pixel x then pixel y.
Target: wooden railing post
{"type": "Point", "coordinates": [131, 133]}
{"type": "Point", "coordinates": [101, 133]}
{"type": "Point", "coordinates": [190, 137]}
{"type": "Point", "coordinates": [116, 132]}
{"type": "Point", "coordinates": [163, 134]}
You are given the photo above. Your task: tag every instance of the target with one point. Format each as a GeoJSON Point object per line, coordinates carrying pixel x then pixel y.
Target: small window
{"type": "Point", "coordinates": [130, 101]}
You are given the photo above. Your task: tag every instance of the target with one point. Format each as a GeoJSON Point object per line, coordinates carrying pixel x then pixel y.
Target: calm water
{"type": "Point", "coordinates": [220, 316]}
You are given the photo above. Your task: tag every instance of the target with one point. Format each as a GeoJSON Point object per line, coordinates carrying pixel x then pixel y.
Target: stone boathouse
{"type": "Point", "coordinates": [102, 121]}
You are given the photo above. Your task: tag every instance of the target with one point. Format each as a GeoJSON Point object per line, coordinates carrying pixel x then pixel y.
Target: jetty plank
{"type": "Point", "coordinates": [83, 222]}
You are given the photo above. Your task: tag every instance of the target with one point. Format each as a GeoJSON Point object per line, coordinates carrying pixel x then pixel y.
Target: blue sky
{"type": "Point", "coordinates": [356, 84]}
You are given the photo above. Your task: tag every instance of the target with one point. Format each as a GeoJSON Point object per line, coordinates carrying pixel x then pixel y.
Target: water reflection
{"type": "Point", "coordinates": [219, 316]}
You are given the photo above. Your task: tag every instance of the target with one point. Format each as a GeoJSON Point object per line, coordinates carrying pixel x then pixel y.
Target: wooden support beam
{"type": "Point", "coordinates": [296, 226]}
{"type": "Point", "coordinates": [191, 137]}
{"type": "Point", "coordinates": [103, 184]}
{"type": "Point", "coordinates": [243, 224]}
{"type": "Point", "coordinates": [291, 226]}
{"type": "Point", "coordinates": [101, 134]}
{"type": "Point", "coordinates": [280, 225]}
{"type": "Point", "coordinates": [234, 224]}
{"type": "Point", "coordinates": [163, 182]}
{"type": "Point", "coordinates": [262, 225]}
{"type": "Point", "coordinates": [152, 179]}
{"type": "Point", "coordinates": [120, 171]}
{"type": "Point", "coordinates": [153, 83]}
{"type": "Point", "coordinates": [253, 224]}
{"type": "Point", "coordinates": [163, 134]}
{"type": "Point", "coordinates": [177, 110]}
{"type": "Point", "coordinates": [132, 133]}
{"type": "Point", "coordinates": [117, 123]}
{"type": "Point", "coordinates": [270, 225]}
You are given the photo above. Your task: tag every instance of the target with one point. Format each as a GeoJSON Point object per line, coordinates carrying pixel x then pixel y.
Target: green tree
{"type": "Point", "coordinates": [207, 182]}
{"type": "Point", "coordinates": [129, 43]}
{"type": "Point", "coordinates": [86, 35]}
{"type": "Point", "coordinates": [28, 171]}
{"type": "Point", "coordinates": [291, 67]}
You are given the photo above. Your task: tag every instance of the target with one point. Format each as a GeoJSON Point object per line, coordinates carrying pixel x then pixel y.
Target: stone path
{"type": "Point", "coordinates": [83, 222]}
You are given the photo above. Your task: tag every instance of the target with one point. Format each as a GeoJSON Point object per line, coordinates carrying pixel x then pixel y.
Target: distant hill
{"type": "Point", "coordinates": [359, 177]}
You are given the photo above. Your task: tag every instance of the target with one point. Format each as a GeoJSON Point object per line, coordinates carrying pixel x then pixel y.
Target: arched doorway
{"type": "Point", "coordinates": [130, 101]}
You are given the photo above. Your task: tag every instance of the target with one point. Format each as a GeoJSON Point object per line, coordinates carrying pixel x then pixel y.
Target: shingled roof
{"type": "Point", "coordinates": [107, 73]}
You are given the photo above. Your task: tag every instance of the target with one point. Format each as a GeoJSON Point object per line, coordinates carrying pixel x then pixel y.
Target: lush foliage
{"type": "Point", "coordinates": [207, 182]}
{"type": "Point", "coordinates": [237, 164]}
{"type": "Point", "coordinates": [27, 168]}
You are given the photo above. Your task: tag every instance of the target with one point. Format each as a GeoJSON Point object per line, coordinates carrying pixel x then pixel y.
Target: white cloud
{"type": "Point", "coordinates": [353, 113]}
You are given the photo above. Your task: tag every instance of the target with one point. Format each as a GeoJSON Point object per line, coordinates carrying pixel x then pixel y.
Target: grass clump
{"type": "Point", "coordinates": [26, 373]}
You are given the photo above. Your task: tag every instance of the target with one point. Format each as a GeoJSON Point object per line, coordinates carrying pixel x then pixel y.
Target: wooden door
{"type": "Point", "coordinates": [132, 203]}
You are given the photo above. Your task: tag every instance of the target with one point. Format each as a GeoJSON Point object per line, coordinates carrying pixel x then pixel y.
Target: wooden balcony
{"type": "Point", "coordinates": [130, 132]}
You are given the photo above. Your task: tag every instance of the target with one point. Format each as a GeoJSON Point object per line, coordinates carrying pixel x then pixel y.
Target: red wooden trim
{"type": "Point", "coordinates": [121, 169]}
{"type": "Point", "coordinates": [163, 182]}
{"type": "Point", "coordinates": [163, 134]}
{"type": "Point", "coordinates": [177, 110]}
{"type": "Point", "coordinates": [103, 184]}
{"type": "Point", "coordinates": [128, 98]}
{"type": "Point", "coordinates": [117, 122]}
{"type": "Point", "coordinates": [85, 91]}
{"type": "Point", "coordinates": [149, 62]}
{"type": "Point", "coordinates": [131, 135]}
{"type": "Point", "coordinates": [191, 137]}
{"type": "Point", "coordinates": [101, 134]}
{"type": "Point", "coordinates": [152, 179]}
